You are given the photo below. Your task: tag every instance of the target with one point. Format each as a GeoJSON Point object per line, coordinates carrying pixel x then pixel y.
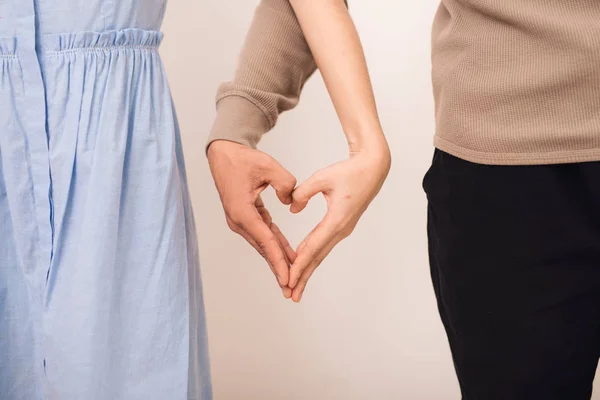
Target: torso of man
{"type": "Point", "coordinates": [517, 81]}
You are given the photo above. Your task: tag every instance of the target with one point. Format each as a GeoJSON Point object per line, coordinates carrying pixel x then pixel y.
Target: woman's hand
{"type": "Point", "coordinates": [349, 187]}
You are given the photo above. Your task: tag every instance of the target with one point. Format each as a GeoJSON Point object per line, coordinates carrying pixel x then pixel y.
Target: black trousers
{"type": "Point", "coordinates": [515, 262]}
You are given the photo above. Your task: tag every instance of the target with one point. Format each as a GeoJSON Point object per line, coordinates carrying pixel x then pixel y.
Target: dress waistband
{"type": "Point", "coordinates": [126, 38]}
{"type": "Point", "coordinates": [8, 47]}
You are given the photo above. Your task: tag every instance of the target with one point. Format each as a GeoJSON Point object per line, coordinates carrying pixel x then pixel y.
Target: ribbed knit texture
{"type": "Point", "coordinates": [515, 81]}
{"type": "Point", "coordinates": [273, 67]}
{"type": "Point", "coordinates": [518, 81]}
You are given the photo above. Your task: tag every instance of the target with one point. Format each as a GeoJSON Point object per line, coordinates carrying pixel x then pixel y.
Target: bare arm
{"type": "Point", "coordinates": [348, 186]}
{"type": "Point", "coordinates": [335, 45]}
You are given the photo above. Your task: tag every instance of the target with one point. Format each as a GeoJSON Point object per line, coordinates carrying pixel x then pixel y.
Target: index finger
{"type": "Point", "coordinates": [281, 180]}
{"type": "Point", "coordinates": [268, 245]}
{"type": "Point", "coordinates": [285, 244]}
{"type": "Point", "coordinates": [312, 246]}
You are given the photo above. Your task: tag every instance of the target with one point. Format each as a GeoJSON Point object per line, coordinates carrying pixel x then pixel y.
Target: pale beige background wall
{"type": "Point", "coordinates": [368, 327]}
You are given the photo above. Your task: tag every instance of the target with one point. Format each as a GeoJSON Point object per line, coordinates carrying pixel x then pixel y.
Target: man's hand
{"type": "Point", "coordinates": [349, 187]}
{"type": "Point", "coordinates": [241, 174]}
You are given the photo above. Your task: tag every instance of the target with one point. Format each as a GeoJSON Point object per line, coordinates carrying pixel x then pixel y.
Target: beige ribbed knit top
{"type": "Point", "coordinates": [514, 81]}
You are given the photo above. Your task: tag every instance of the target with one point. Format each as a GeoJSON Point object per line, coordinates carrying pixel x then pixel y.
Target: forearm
{"type": "Point", "coordinates": [336, 47]}
{"type": "Point", "coordinates": [273, 67]}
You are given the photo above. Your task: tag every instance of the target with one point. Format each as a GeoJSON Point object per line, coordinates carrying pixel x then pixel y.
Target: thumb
{"type": "Point", "coordinates": [281, 180]}
{"type": "Point", "coordinates": [307, 190]}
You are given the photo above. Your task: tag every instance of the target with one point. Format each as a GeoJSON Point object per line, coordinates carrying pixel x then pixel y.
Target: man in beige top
{"type": "Point", "coordinates": [513, 191]}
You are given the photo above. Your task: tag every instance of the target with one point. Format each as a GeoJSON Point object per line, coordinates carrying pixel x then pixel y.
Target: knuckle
{"type": "Point", "coordinates": [232, 225]}
{"type": "Point", "coordinates": [263, 245]}
{"type": "Point", "coordinates": [238, 221]}
{"type": "Point", "coordinates": [261, 249]}
{"type": "Point", "coordinates": [234, 215]}
{"type": "Point", "coordinates": [242, 221]}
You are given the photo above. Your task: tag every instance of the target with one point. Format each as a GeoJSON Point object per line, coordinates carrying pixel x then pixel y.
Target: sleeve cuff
{"type": "Point", "coordinates": [238, 120]}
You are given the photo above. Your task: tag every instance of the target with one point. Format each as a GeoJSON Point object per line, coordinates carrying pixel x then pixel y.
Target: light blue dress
{"type": "Point", "coordinates": [100, 290]}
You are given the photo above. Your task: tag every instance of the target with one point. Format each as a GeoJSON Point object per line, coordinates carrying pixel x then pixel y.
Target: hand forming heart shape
{"type": "Point", "coordinates": [242, 173]}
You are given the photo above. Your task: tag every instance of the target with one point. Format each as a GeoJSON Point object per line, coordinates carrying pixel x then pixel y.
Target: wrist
{"type": "Point", "coordinates": [368, 141]}
{"type": "Point", "coordinates": [223, 146]}
{"type": "Point", "coordinates": [376, 152]}
{"type": "Point", "coordinates": [365, 136]}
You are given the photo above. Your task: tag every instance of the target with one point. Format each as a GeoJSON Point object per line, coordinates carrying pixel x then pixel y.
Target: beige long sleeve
{"type": "Point", "coordinates": [515, 81]}
{"type": "Point", "coordinates": [274, 65]}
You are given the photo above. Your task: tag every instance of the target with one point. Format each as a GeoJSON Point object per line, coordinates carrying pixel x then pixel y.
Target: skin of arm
{"type": "Point", "coordinates": [349, 186]}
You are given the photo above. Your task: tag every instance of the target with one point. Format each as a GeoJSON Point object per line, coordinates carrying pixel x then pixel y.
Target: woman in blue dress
{"type": "Point", "coordinates": [100, 292]}
{"type": "Point", "coordinates": [100, 288]}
